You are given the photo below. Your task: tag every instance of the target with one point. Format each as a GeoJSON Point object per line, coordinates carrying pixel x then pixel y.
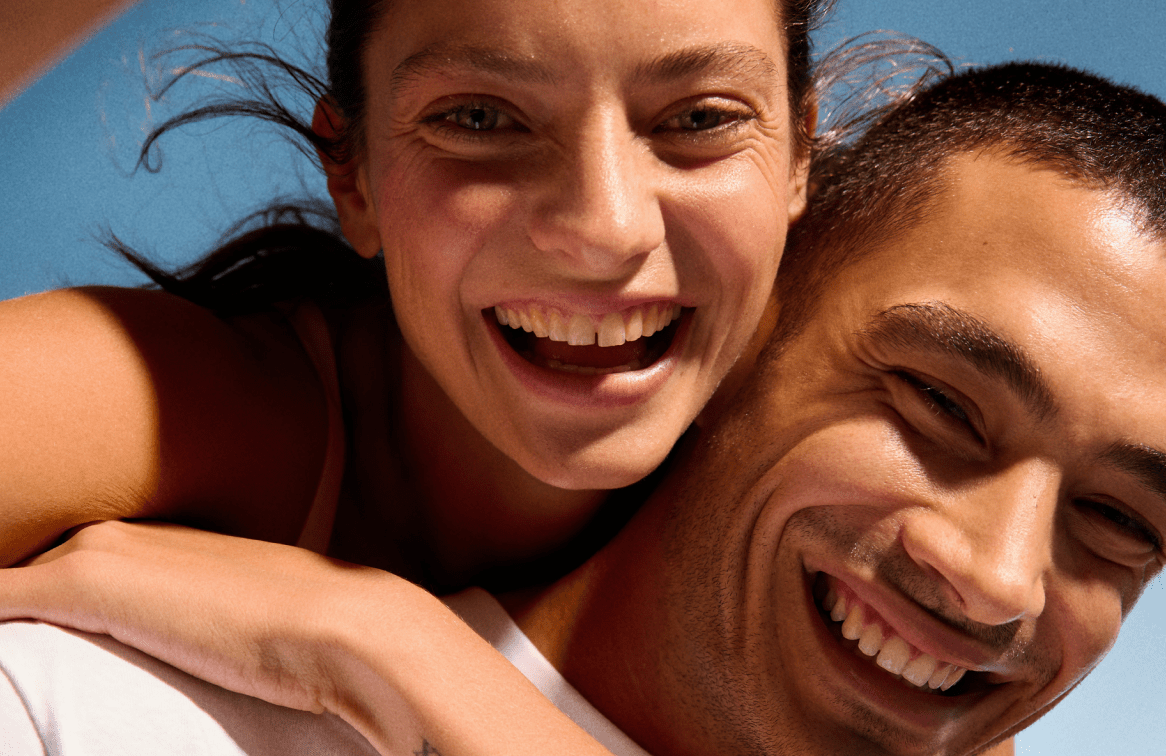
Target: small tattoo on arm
{"type": "Point", "coordinates": [426, 749]}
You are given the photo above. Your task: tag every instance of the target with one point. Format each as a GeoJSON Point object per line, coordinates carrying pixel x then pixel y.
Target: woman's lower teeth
{"type": "Point", "coordinates": [587, 369]}
{"type": "Point", "coordinates": [891, 653]}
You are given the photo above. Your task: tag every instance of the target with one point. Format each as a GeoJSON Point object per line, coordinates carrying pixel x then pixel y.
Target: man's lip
{"type": "Point", "coordinates": [592, 391]}
{"type": "Point", "coordinates": [918, 710]}
{"type": "Point", "coordinates": [918, 627]}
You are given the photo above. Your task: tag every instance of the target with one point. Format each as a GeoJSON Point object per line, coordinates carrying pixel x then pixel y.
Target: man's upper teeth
{"type": "Point", "coordinates": [892, 653]}
{"type": "Point", "coordinates": [579, 329]}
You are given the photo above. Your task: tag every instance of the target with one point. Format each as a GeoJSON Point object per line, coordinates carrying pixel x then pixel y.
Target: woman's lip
{"type": "Point", "coordinates": [916, 709]}
{"type": "Point", "coordinates": [592, 391]}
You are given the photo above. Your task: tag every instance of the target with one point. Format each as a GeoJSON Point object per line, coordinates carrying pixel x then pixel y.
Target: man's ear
{"type": "Point", "coordinates": [348, 185]}
{"type": "Point", "coordinates": [800, 166]}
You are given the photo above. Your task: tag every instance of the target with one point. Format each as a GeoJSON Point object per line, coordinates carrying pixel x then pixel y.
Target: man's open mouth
{"type": "Point", "coordinates": [858, 628]}
{"type": "Point", "coordinates": [616, 342]}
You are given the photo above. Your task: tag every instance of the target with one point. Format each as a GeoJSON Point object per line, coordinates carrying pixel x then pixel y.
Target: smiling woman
{"type": "Point", "coordinates": [584, 175]}
{"type": "Point", "coordinates": [618, 176]}
{"type": "Point", "coordinates": [467, 332]}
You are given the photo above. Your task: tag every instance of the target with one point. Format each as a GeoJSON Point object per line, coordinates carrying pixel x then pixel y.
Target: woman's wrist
{"type": "Point", "coordinates": [407, 673]}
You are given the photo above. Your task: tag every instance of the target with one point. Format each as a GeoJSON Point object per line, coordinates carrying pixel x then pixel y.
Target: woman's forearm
{"type": "Point", "coordinates": [297, 630]}
{"type": "Point", "coordinates": [409, 675]}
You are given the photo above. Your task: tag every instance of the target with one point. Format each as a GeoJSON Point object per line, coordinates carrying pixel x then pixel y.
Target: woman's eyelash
{"type": "Point", "coordinates": [705, 120]}
{"type": "Point", "coordinates": [696, 120]}
{"type": "Point", "coordinates": [473, 119]}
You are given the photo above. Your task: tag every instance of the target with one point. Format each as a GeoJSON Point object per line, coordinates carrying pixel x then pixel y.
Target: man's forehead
{"type": "Point", "coordinates": [1001, 232]}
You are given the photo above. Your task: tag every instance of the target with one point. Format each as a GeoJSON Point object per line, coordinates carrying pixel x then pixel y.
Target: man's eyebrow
{"type": "Point", "coordinates": [1143, 462]}
{"type": "Point", "coordinates": [730, 57]}
{"type": "Point", "coordinates": [939, 328]}
{"type": "Point", "coordinates": [441, 57]}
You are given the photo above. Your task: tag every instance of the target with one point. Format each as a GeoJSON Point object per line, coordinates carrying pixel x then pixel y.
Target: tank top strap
{"type": "Point", "coordinates": [312, 329]}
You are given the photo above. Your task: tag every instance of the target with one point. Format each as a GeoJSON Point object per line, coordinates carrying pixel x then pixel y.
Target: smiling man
{"type": "Point", "coordinates": [928, 512]}
{"type": "Point", "coordinates": [943, 489]}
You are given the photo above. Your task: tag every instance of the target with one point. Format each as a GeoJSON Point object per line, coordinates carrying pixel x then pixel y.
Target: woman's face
{"type": "Point", "coordinates": [591, 171]}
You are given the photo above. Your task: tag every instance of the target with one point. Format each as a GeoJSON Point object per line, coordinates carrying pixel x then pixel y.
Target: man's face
{"type": "Point", "coordinates": [963, 451]}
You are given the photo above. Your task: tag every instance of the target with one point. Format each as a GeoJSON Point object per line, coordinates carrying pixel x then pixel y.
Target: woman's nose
{"type": "Point", "coordinates": [991, 543]}
{"type": "Point", "coordinates": [599, 213]}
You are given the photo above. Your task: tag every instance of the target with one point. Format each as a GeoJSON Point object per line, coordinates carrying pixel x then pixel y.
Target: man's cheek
{"type": "Point", "coordinates": [1083, 621]}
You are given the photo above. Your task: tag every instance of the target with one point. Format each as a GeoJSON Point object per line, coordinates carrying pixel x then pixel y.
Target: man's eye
{"type": "Point", "coordinates": [1123, 524]}
{"type": "Point", "coordinates": [934, 396]}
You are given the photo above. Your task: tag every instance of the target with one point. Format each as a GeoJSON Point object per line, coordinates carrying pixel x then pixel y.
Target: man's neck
{"type": "Point", "coordinates": [597, 627]}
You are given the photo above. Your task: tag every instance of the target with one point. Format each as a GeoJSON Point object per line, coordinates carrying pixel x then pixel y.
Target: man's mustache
{"type": "Point", "coordinates": [900, 572]}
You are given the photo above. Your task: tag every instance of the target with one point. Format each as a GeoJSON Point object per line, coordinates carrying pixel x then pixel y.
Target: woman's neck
{"type": "Point", "coordinates": [439, 502]}
{"type": "Point", "coordinates": [481, 509]}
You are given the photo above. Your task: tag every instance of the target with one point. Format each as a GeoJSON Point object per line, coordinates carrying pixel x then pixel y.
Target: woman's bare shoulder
{"type": "Point", "coordinates": [124, 403]}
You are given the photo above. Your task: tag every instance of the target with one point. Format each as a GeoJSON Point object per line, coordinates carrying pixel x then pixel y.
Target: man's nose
{"type": "Point", "coordinates": [991, 542]}
{"type": "Point", "coordinates": [600, 213]}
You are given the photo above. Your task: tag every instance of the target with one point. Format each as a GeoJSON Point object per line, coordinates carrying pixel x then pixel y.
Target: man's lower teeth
{"type": "Point", "coordinates": [892, 654]}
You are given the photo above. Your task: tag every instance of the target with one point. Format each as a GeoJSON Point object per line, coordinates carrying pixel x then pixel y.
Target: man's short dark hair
{"type": "Point", "coordinates": [1094, 132]}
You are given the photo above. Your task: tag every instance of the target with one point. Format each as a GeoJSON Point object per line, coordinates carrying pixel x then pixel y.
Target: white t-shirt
{"type": "Point", "coordinates": [67, 693]}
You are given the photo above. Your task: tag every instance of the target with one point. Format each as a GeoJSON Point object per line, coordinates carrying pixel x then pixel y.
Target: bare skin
{"type": "Point", "coordinates": [631, 208]}
{"type": "Point", "coordinates": [38, 34]}
{"type": "Point", "coordinates": [852, 436]}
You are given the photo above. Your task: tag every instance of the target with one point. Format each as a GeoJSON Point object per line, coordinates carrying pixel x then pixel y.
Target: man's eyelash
{"type": "Point", "coordinates": [1124, 520]}
{"type": "Point", "coordinates": [935, 397]}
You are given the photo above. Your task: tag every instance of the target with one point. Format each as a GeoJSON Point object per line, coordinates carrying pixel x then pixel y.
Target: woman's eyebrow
{"type": "Point", "coordinates": [732, 58]}
{"type": "Point", "coordinates": [441, 58]}
{"type": "Point", "coordinates": [939, 328]}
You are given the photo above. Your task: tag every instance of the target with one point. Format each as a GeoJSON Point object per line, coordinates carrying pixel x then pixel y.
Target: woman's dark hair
{"type": "Point", "coordinates": [294, 249]}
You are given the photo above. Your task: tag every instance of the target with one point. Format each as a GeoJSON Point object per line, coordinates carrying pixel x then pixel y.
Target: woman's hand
{"type": "Point", "coordinates": [218, 607]}
{"type": "Point", "coordinates": [295, 629]}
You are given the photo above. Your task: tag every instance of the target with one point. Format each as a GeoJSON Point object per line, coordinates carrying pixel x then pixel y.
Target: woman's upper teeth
{"type": "Point", "coordinates": [891, 652]}
{"type": "Point", "coordinates": [578, 329]}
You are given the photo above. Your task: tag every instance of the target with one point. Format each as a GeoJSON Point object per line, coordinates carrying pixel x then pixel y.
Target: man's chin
{"type": "Point", "coordinates": [958, 699]}
{"type": "Point", "coordinates": [874, 711]}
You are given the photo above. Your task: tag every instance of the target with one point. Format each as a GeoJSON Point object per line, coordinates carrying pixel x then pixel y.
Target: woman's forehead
{"type": "Point", "coordinates": [618, 29]}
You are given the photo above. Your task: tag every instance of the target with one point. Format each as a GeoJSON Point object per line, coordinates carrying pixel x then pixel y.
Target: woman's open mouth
{"type": "Point", "coordinates": [617, 342]}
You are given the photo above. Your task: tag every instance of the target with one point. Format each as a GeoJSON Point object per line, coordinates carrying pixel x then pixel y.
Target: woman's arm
{"type": "Point", "coordinates": [298, 630]}
{"type": "Point", "coordinates": [120, 403]}
{"type": "Point", "coordinates": [38, 33]}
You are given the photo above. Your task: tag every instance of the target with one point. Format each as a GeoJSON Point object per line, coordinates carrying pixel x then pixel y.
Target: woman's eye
{"type": "Point", "coordinates": [474, 118]}
{"type": "Point", "coordinates": [699, 120]}
{"type": "Point", "coordinates": [703, 117]}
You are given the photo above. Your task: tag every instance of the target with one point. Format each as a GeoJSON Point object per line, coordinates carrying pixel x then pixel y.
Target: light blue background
{"type": "Point", "coordinates": [70, 140]}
